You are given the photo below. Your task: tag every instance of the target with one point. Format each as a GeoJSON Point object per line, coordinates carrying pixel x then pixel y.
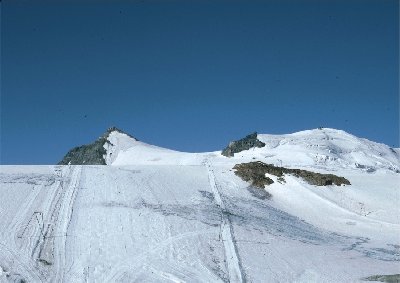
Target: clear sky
{"type": "Point", "coordinates": [193, 75]}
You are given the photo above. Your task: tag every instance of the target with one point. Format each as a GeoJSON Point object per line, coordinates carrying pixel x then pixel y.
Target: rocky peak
{"type": "Point", "coordinates": [246, 143]}
{"type": "Point", "coordinates": [91, 154]}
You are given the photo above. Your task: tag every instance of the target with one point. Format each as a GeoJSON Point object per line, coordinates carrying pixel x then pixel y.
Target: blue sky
{"type": "Point", "coordinates": [193, 75]}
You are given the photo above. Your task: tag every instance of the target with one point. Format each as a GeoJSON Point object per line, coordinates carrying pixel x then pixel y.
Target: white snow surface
{"type": "Point", "coordinates": [158, 215]}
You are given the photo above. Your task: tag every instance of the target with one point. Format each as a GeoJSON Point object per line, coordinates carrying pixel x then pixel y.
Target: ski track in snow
{"type": "Point", "coordinates": [41, 228]}
{"type": "Point", "coordinates": [231, 253]}
{"type": "Point", "coordinates": [168, 244]}
{"type": "Point", "coordinates": [64, 221]}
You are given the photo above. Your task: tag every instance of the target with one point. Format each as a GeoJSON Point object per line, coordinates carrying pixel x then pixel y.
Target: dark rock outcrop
{"type": "Point", "coordinates": [246, 143]}
{"type": "Point", "coordinates": [90, 154]}
{"type": "Point", "coordinates": [394, 278]}
{"type": "Point", "coordinates": [254, 172]}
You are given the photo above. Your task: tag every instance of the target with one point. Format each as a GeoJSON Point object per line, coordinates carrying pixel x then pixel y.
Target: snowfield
{"type": "Point", "coordinates": [157, 215]}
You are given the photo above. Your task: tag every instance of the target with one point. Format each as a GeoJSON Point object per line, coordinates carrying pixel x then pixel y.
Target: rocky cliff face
{"type": "Point", "coordinates": [89, 154]}
{"type": "Point", "coordinates": [246, 143]}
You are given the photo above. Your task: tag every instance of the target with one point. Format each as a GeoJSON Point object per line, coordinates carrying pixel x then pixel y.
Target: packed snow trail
{"type": "Point", "coordinates": [64, 220]}
{"type": "Point", "coordinates": [232, 258]}
{"type": "Point", "coordinates": [131, 225]}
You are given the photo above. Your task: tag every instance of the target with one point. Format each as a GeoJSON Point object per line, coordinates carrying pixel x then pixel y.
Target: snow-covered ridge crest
{"type": "Point", "coordinates": [326, 147]}
{"type": "Point", "coordinates": [322, 148]}
{"type": "Point", "coordinates": [116, 142]}
{"type": "Point", "coordinates": [122, 149]}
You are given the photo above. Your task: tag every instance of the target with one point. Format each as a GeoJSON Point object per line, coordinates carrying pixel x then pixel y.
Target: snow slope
{"type": "Point", "coordinates": [326, 149]}
{"type": "Point", "coordinates": [158, 215]}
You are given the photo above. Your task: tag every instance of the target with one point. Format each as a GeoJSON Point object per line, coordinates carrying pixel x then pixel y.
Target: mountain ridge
{"type": "Point", "coordinates": [325, 148]}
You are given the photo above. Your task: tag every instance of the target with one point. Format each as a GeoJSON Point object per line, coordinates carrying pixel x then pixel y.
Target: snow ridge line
{"type": "Point", "coordinates": [231, 254]}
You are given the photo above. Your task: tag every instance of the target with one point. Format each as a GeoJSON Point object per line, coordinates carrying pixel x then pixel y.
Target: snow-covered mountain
{"type": "Point", "coordinates": [323, 148]}
{"type": "Point", "coordinates": [159, 215]}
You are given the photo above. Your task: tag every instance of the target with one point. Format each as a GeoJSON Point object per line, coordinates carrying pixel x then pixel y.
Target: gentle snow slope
{"type": "Point", "coordinates": [327, 149]}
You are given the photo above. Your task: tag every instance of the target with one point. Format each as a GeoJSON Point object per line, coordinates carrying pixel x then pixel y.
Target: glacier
{"type": "Point", "coordinates": [157, 215]}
